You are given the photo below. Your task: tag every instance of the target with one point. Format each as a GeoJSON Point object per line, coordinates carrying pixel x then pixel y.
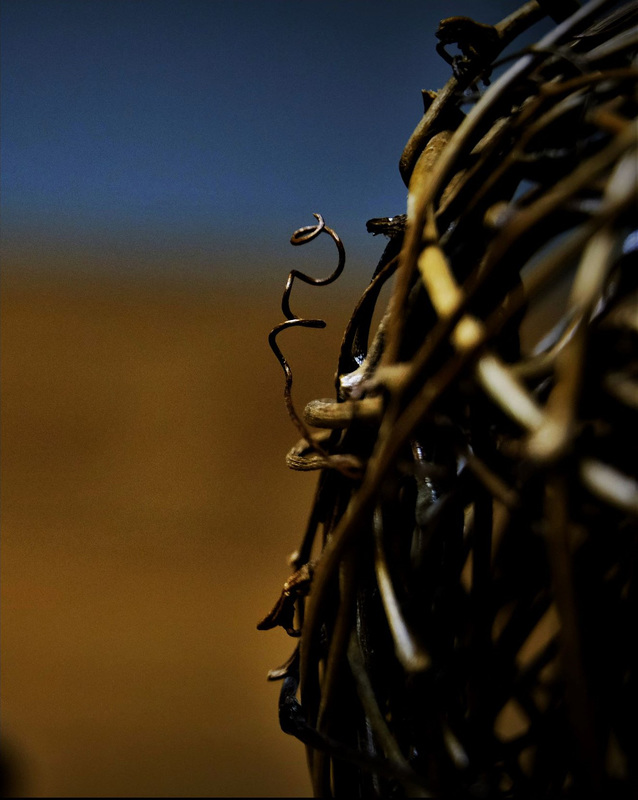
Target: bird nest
{"type": "Point", "coordinates": [463, 597]}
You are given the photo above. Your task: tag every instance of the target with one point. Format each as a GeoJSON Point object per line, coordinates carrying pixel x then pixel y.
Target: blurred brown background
{"type": "Point", "coordinates": [147, 516]}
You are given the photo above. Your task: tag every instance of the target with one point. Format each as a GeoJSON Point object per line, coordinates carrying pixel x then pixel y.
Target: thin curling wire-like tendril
{"type": "Point", "coordinates": [303, 236]}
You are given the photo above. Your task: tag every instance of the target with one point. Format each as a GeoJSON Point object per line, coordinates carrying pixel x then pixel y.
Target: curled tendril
{"type": "Point", "coordinates": [302, 236]}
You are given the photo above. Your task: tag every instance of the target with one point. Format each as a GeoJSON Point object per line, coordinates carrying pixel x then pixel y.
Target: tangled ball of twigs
{"type": "Point", "coordinates": [464, 596]}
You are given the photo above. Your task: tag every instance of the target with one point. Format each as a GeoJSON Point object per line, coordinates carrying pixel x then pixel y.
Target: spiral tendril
{"type": "Point", "coordinates": [299, 237]}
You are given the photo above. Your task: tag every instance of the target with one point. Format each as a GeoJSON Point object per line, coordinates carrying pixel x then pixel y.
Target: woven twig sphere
{"type": "Point", "coordinates": [464, 597]}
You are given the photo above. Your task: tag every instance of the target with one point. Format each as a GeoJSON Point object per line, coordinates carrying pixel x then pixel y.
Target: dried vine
{"type": "Point", "coordinates": [464, 595]}
{"type": "Point", "coordinates": [310, 453]}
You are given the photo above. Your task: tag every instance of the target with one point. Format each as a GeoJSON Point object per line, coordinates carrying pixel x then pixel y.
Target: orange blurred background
{"type": "Point", "coordinates": [147, 517]}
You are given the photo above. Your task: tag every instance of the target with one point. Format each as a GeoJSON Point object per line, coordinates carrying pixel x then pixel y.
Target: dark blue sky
{"type": "Point", "coordinates": [205, 131]}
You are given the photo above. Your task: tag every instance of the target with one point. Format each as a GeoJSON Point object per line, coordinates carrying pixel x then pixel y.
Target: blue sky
{"type": "Point", "coordinates": [206, 131]}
